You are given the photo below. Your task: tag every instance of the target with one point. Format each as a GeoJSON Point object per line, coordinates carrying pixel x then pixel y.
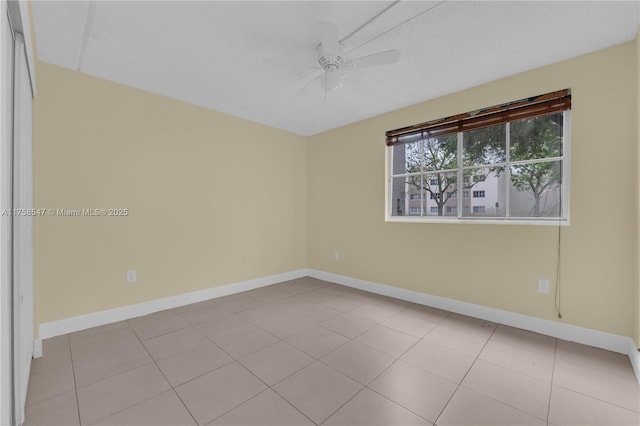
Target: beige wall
{"type": "Point", "coordinates": [497, 265]}
{"type": "Point", "coordinates": [213, 199]}
{"type": "Point", "coordinates": [196, 223]}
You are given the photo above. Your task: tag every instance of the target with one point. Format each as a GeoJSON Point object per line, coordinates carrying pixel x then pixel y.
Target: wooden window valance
{"type": "Point", "coordinates": [525, 108]}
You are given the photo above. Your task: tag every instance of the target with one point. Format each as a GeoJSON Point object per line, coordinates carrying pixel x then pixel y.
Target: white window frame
{"type": "Point", "coordinates": [563, 220]}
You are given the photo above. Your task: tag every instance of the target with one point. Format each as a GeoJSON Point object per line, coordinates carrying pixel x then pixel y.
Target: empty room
{"type": "Point", "coordinates": [320, 213]}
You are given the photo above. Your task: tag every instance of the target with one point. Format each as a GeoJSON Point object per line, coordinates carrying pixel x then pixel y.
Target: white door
{"type": "Point", "coordinates": [16, 227]}
{"type": "Point", "coordinates": [22, 225]}
{"type": "Point", "coordinates": [6, 201]}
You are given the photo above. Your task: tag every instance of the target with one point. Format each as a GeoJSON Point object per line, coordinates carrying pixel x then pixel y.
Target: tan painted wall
{"type": "Point", "coordinates": [497, 265]}
{"type": "Point", "coordinates": [213, 199]}
{"type": "Point", "coordinates": [195, 223]}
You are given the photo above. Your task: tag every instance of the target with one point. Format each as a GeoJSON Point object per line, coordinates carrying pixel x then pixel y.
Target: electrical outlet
{"type": "Point", "coordinates": [131, 277]}
{"type": "Point", "coordinates": [336, 255]}
{"type": "Point", "coordinates": [543, 285]}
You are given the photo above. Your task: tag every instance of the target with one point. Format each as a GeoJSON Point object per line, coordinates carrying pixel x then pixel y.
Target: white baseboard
{"type": "Point", "coordinates": [82, 322]}
{"type": "Point", "coordinates": [634, 356]}
{"type": "Point", "coordinates": [37, 348]}
{"type": "Point", "coordinates": [599, 339]}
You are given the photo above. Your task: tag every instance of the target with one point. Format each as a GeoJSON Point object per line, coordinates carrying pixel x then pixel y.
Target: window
{"type": "Point", "coordinates": [415, 210]}
{"type": "Point", "coordinates": [513, 156]}
{"type": "Point", "coordinates": [416, 196]}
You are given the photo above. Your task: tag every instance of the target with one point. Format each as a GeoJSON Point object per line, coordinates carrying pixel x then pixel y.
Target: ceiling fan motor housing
{"type": "Point", "coordinates": [331, 63]}
{"type": "Point", "coordinates": [330, 59]}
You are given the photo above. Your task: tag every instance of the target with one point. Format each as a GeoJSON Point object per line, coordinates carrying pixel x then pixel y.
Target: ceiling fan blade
{"type": "Point", "coordinates": [310, 86]}
{"type": "Point", "coordinates": [329, 39]}
{"type": "Point", "coordinates": [382, 58]}
{"type": "Point", "coordinates": [356, 85]}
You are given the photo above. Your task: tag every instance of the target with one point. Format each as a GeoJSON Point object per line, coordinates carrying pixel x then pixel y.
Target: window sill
{"type": "Point", "coordinates": [479, 221]}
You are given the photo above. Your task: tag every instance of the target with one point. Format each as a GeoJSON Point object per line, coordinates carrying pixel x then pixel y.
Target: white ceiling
{"type": "Point", "coordinates": [251, 59]}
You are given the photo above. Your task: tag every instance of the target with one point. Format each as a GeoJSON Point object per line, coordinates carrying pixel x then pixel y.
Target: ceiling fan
{"type": "Point", "coordinates": [335, 70]}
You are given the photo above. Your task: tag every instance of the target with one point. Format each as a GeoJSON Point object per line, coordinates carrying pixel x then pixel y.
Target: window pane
{"type": "Point", "coordinates": [476, 178]}
{"type": "Point", "coordinates": [535, 190]}
{"type": "Point", "coordinates": [484, 193]}
{"type": "Point", "coordinates": [442, 195]}
{"type": "Point", "coordinates": [406, 196]}
{"type": "Point", "coordinates": [484, 146]}
{"type": "Point", "coordinates": [414, 205]}
{"type": "Point", "coordinates": [538, 137]}
{"type": "Point", "coordinates": [440, 153]}
{"type": "Point", "coordinates": [406, 158]}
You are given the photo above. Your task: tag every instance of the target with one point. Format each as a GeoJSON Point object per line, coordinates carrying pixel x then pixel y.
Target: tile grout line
{"type": "Point", "coordinates": [396, 360]}
{"type": "Point", "coordinates": [161, 334]}
{"type": "Point", "coordinates": [598, 399]}
{"type": "Point", "coordinates": [329, 366]}
{"type": "Point", "coordinates": [345, 403]}
{"type": "Point", "coordinates": [290, 404]}
{"type": "Point", "coordinates": [126, 371]}
{"type": "Point", "coordinates": [49, 398]}
{"type": "Point", "coordinates": [366, 386]}
{"type": "Point", "coordinates": [233, 359]}
{"type": "Point", "coordinates": [581, 393]}
{"type": "Point", "coordinates": [165, 378]}
{"type": "Point", "coordinates": [553, 371]}
{"type": "Point", "coordinates": [465, 375]}
{"type": "Point", "coordinates": [332, 350]}
{"type": "Point", "coordinates": [607, 371]}
{"type": "Point", "coordinates": [236, 360]}
{"type": "Point", "coordinates": [492, 398]}
{"type": "Point", "coordinates": [75, 385]}
{"type": "Point", "coordinates": [349, 339]}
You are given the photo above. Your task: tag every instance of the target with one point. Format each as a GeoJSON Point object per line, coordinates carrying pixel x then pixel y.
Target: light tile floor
{"type": "Point", "coordinates": [310, 352]}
